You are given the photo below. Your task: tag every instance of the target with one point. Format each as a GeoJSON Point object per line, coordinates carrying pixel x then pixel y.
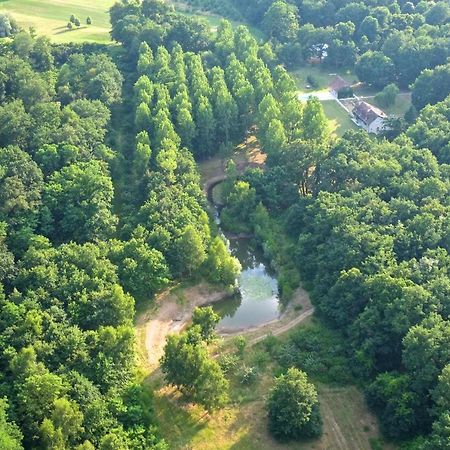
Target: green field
{"type": "Point", "coordinates": [402, 104]}
{"type": "Point", "coordinates": [242, 425]}
{"type": "Point", "coordinates": [323, 77]}
{"type": "Point", "coordinates": [212, 18]}
{"type": "Point", "coordinates": [50, 17]}
{"type": "Point", "coordinates": [339, 118]}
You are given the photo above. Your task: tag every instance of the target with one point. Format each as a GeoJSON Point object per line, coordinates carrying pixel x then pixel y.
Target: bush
{"type": "Point", "coordinates": [312, 81]}
{"type": "Point", "coordinates": [248, 374]}
{"type": "Point", "coordinates": [228, 363]}
{"type": "Point", "coordinates": [319, 351]}
{"type": "Point", "coordinates": [387, 96]}
{"type": "Point", "coordinates": [240, 342]}
{"type": "Point", "coordinates": [293, 407]}
{"type": "Point", "coordinates": [271, 344]}
{"type": "Point", "coordinates": [345, 92]}
{"type": "Point", "coordinates": [260, 358]}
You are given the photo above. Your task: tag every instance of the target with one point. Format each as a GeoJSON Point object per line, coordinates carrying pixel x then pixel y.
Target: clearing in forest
{"type": "Point", "coordinates": [50, 18]}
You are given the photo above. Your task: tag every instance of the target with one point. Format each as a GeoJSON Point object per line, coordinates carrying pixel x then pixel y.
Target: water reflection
{"type": "Point", "coordinates": [258, 300]}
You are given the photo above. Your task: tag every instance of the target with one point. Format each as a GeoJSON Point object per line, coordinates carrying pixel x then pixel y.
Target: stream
{"type": "Point", "coordinates": [257, 301]}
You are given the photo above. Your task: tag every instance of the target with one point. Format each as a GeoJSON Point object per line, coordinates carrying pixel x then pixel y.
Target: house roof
{"type": "Point", "coordinates": [338, 83]}
{"type": "Point", "coordinates": [368, 113]}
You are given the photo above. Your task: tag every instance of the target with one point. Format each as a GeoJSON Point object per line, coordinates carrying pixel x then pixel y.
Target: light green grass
{"type": "Point", "coordinates": [242, 425]}
{"type": "Point", "coordinates": [402, 104]}
{"type": "Point", "coordinates": [50, 17]}
{"type": "Point", "coordinates": [339, 118]}
{"type": "Point", "coordinates": [323, 76]}
{"type": "Point", "coordinates": [213, 19]}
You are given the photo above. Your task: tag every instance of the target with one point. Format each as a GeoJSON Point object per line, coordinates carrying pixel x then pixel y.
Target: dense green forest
{"type": "Point", "coordinates": [387, 40]}
{"type": "Point", "coordinates": [101, 208]}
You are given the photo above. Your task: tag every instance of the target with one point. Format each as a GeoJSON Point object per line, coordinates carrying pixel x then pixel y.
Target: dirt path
{"type": "Point", "coordinates": [173, 311]}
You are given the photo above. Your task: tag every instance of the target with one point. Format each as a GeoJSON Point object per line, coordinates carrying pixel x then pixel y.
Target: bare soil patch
{"type": "Point", "coordinates": [170, 314]}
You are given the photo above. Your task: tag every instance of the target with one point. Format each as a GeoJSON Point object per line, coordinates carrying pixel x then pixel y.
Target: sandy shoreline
{"type": "Point", "coordinates": [173, 312]}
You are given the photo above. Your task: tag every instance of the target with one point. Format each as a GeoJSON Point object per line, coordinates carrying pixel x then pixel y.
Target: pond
{"type": "Point", "coordinates": [257, 301]}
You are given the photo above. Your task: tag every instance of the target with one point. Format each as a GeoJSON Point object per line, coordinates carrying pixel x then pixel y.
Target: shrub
{"type": "Point", "coordinates": [248, 374]}
{"type": "Point", "coordinates": [293, 407]}
{"type": "Point", "coordinates": [240, 342]}
{"type": "Point", "coordinates": [271, 344]}
{"type": "Point", "coordinates": [345, 92]}
{"type": "Point", "coordinates": [228, 363]}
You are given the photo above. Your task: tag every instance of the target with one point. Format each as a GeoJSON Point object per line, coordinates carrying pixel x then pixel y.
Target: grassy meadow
{"type": "Point", "coordinates": [322, 75]}
{"type": "Point", "coordinates": [50, 17]}
{"type": "Point", "coordinates": [242, 424]}
{"type": "Point", "coordinates": [213, 19]}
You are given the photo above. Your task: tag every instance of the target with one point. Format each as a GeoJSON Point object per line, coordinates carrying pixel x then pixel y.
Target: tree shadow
{"type": "Point", "coordinates": [67, 30]}
{"type": "Point", "coordinates": [186, 420]}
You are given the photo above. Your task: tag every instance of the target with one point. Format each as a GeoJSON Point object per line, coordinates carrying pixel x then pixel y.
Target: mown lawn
{"type": "Point", "coordinates": [50, 17]}
{"type": "Point", "coordinates": [402, 104]}
{"type": "Point", "coordinates": [340, 121]}
{"type": "Point", "coordinates": [323, 77]}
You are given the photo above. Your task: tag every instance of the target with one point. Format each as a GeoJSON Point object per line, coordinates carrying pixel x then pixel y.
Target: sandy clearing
{"type": "Point", "coordinates": [173, 312]}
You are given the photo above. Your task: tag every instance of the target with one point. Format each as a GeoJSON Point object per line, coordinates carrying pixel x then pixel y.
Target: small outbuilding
{"type": "Point", "coordinates": [338, 84]}
{"type": "Point", "coordinates": [369, 117]}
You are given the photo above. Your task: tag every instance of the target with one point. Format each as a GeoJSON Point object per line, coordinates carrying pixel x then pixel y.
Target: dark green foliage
{"type": "Point", "coordinates": [346, 92]}
{"type": "Point", "coordinates": [399, 409]}
{"type": "Point", "coordinates": [77, 203]}
{"type": "Point", "coordinates": [221, 267]}
{"type": "Point", "coordinates": [387, 96]}
{"type": "Point", "coordinates": [94, 77]}
{"type": "Point", "coordinates": [143, 270]}
{"type": "Point", "coordinates": [241, 203]}
{"type": "Point", "coordinates": [293, 407]}
{"type": "Point", "coordinates": [375, 68]}
{"type": "Point", "coordinates": [187, 365]}
{"type": "Point", "coordinates": [21, 184]}
{"type": "Point", "coordinates": [207, 320]}
{"type": "Point", "coordinates": [281, 21]}
{"type": "Point", "coordinates": [431, 130]}
{"type": "Point", "coordinates": [431, 87]}
{"type": "Point", "coordinates": [320, 352]}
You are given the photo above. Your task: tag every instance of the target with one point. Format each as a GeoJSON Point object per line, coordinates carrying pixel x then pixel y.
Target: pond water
{"type": "Point", "coordinates": [257, 301]}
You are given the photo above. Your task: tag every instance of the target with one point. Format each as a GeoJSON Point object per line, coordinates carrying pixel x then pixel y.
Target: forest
{"type": "Point", "coordinates": [102, 208]}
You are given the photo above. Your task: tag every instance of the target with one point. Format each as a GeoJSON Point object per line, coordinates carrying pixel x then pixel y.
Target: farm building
{"type": "Point", "coordinates": [369, 117]}
{"type": "Point", "coordinates": [337, 84]}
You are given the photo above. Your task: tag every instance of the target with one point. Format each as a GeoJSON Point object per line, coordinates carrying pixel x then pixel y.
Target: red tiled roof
{"type": "Point", "coordinates": [368, 113]}
{"type": "Point", "coordinates": [338, 83]}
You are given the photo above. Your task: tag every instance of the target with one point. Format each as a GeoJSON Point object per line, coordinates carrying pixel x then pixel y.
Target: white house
{"type": "Point", "coordinates": [369, 117]}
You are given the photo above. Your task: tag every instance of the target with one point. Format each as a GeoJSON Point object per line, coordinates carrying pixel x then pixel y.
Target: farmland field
{"type": "Point", "coordinates": [50, 17]}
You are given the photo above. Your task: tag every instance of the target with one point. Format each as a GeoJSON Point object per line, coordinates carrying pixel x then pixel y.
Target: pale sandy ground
{"type": "Point", "coordinates": [173, 312]}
